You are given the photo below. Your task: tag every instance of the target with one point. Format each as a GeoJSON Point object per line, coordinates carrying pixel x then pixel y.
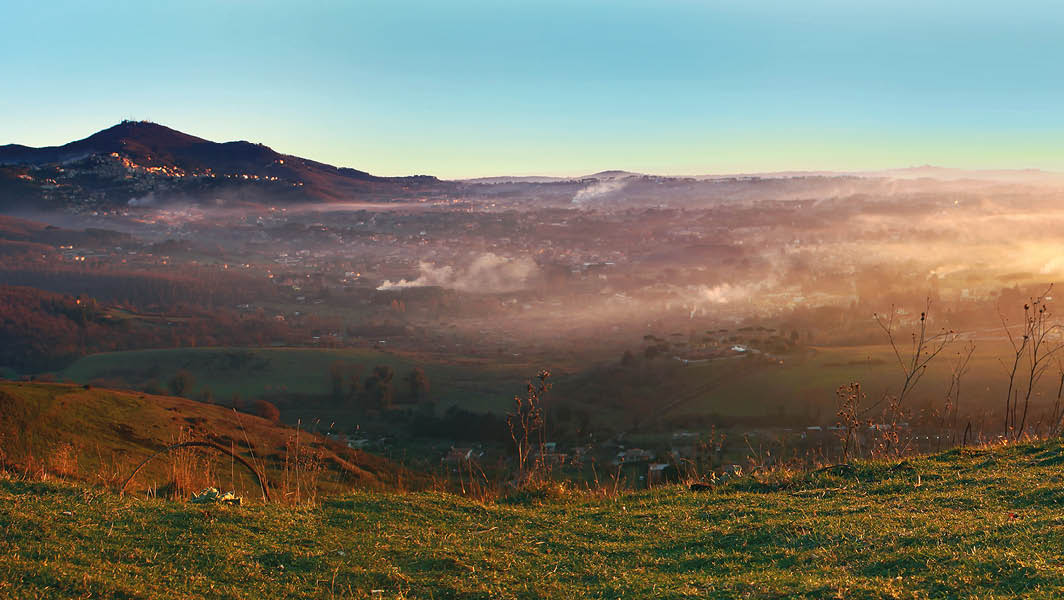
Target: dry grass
{"type": "Point", "coordinates": [99, 436]}
{"type": "Point", "coordinates": [965, 523]}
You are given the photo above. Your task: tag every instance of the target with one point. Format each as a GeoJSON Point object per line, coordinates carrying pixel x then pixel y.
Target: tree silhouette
{"type": "Point", "coordinates": [419, 384]}
{"type": "Point", "coordinates": [182, 382]}
{"type": "Point", "coordinates": [379, 388]}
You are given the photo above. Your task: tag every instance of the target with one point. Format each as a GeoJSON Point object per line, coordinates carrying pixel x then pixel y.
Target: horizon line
{"type": "Point", "coordinates": [578, 175]}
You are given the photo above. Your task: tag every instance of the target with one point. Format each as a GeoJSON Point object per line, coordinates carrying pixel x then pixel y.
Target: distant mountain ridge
{"type": "Point", "coordinates": [136, 158]}
{"type": "Point", "coordinates": [154, 145]}
{"type": "Point", "coordinates": [920, 172]}
{"type": "Point", "coordinates": [601, 175]}
{"type": "Point", "coordinates": [139, 163]}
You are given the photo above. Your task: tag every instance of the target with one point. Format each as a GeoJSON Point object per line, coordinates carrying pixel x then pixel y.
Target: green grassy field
{"type": "Point", "coordinates": [803, 385]}
{"type": "Point", "coordinates": [254, 372]}
{"type": "Point", "coordinates": [975, 523]}
{"type": "Point", "coordinates": [809, 382]}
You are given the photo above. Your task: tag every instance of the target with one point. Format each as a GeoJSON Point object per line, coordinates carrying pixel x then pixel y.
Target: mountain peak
{"type": "Point", "coordinates": [140, 140]}
{"type": "Point", "coordinates": [170, 163]}
{"type": "Point", "coordinates": [144, 131]}
{"type": "Point", "coordinates": [611, 174]}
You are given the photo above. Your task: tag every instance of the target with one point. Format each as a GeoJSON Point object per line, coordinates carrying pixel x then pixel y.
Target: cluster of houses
{"type": "Point", "coordinates": [636, 464]}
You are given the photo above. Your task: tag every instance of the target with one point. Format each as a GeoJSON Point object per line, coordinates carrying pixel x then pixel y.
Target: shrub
{"type": "Point", "coordinates": [267, 411]}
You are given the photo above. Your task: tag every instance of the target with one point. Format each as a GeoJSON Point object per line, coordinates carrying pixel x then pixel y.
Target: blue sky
{"type": "Point", "coordinates": [461, 89]}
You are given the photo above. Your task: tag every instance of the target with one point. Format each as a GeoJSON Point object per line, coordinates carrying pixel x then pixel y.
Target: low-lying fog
{"type": "Point", "coordinates": [608, 260]}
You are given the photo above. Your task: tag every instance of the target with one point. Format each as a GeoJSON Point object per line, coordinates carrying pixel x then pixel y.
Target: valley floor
{"type": "Point", "coordinates": [972, 523]}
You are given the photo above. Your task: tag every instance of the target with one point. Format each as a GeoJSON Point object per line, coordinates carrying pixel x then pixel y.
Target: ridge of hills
{"type": "Point", "coordinates": [153, 145]}
{"type": "Point", "coordinates": [140, 163]}
{"type": "Point", "coordinates": [127, 162]}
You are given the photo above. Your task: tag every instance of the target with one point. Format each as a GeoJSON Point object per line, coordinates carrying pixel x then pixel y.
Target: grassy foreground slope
{"type": "Point", "coordinates": [98, 435]}
{"type": "Point", "coordinates": [976, 523]}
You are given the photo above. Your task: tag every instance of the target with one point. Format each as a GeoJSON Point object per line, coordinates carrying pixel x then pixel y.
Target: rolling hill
{"type": "Point", "coordinates": [97, 435]}
{"type": "Point", "coordinates": [146, 162]}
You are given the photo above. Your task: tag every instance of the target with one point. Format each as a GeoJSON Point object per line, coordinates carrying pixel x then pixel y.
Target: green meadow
{"type": "Point", "coordinates": [257, 372]}
{"type": "Point", "coordinates": [969, 523]}
{"type": "Point", "coordinates": [801, 384]}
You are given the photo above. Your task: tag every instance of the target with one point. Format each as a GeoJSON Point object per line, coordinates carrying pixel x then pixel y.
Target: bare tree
{"type": "Point", "coordinates": [526, 424]}
{"type": "Point", "coordinates": [1040, 328]}
{"type": "Point", "coordinates": [1019, 346]}
{"type": "Point", "coordinates": [924, 348]}
{"type": "Point", "coordinates": [1032, 349]}
{"type": "Point", "coordinates": [849, 424]}
{"type": "Point", "coordinates": [959, 367]}
{"type": "Point", "coordinates": [1057, 418]}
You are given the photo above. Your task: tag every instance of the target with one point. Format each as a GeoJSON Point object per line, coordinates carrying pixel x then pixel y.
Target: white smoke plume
{"type": "Point", "coordinates": [148, 199]}
{"type": "Point", "coordinates": [489, 273]}
{"type": "Point", "coordinates": [702, 299]}
{"type": "Point", "coordinates": [599, 189]}
{"type": "Point", "coordinates": [722, 294]}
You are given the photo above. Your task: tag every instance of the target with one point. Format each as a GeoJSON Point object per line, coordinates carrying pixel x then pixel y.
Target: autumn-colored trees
{"type": "Point", "coordinates": [42, 331]}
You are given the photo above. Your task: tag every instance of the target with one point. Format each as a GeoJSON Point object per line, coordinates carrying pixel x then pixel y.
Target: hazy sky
{"type": "Point", "coordinates": [518, 87]}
